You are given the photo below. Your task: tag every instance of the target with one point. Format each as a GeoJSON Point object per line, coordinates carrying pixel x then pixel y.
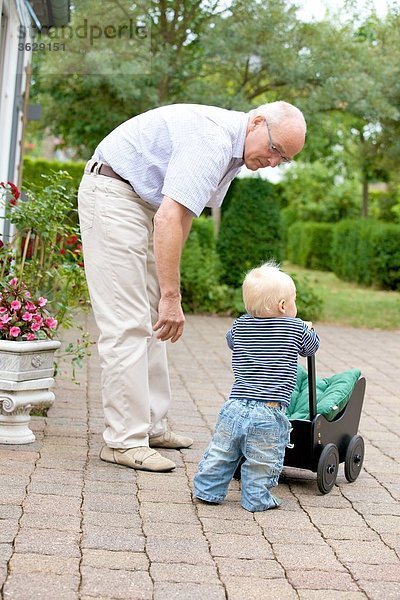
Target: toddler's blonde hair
{"type": "Point", "coordinates": [264, 287]}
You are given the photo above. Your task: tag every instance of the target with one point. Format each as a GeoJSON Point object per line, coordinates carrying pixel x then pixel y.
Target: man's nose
{"type": "Point", "coordinates": [274, 161]}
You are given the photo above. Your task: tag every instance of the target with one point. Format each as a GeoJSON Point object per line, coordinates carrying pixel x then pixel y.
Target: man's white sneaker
{"type": "Point", "coordinates": [142, 458]}
{"type": "Point", "coordinates": [169, 439]}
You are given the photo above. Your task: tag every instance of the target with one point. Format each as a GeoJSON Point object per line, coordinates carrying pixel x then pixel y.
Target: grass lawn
{"type": "Point", "coordinates": [348, 304]}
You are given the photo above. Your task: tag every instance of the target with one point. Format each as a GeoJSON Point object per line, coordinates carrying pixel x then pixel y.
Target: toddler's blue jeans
{"type": "Point", "coordinates": [255, 431]}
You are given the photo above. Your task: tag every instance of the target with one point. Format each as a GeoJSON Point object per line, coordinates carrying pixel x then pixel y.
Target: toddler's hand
{"type": "Point", "coordinates": [309, 324]}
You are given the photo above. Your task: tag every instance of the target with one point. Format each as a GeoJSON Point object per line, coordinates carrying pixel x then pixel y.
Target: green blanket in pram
{"type": "Point", "coordinates": [333, 393]}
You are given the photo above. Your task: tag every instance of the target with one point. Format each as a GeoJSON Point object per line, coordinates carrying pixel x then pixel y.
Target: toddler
{"type": "Point", "coordinates": [252, 423]}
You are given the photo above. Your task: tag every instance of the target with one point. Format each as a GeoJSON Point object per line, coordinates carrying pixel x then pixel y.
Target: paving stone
{"type": "Point", "coordinates": [165, 481]}
{"type": "Point", "coordinates": [337, 532]}
{"type": "Point", "coordinates": [184, 591]}
{"type": "Point", "coordinates": [57, 476]}
{"type": "Point", "coordinates": [110, 503]}
{"type": "Point", "coordinates": [384, 523]}
{"type": "Point", "coordinates": [182, 573]}
{"type": "Point", "coordinates": [59, 522]}
{"type": "Point", "coordinates": [333, 516]}
{"type": "Point", "coordinates": [389, 590]}
{"type": "Point", "coordinates": [285, 520]}
{"type": "Point", "coordinates": [110, 539]}
{"type": "Point", "coordinates": [232, 526]}
{"type": "Point", "coordinates": [239, 588]}
{"type": "Point", "coordinates": [52, 504]}
{"type": "Point", "coordinates": [108, 487]}
{"type": "Point", "coordinates": [174, 513]}
{"type": "Point", "coordinates": [170, 550]}
{"type": "Point", "coordinates": [181, 496]}
{"type": "Point", "coordinates": [287, 536]}
{"type": "Point", "coordinates": [238, 546]}
{"type": "Point", "coordinates": [42, 563]}
{"type": "Point", "coordinates": [8, 530]}
{"type": "Point", "coordinates": [175, 530]}
{"type": "Point", "coordinates": [374, 553]}
{"type": "Point", "coordinates": [12, 496]}
{"type": "Point", "coordinates": [112, 519]}
{"type": "Point", "coordinates": [255, 568]}
{"type": "Point", "coordinates": [116, 584]}
{"type": "Point", "coordinates": [369, 572]}
{"type": "Point", "coordinates": [330, 595]}
{"type": "Point", "coordinates": [6, 551]}
{"type": "Point", "coordinates": [321, 580]}
{"type": "Point", "coordinates": [307, 557]}
{"type": "Point", "coordinates": [47, 541]}
{"type": "Point", "coordinates": [107, 559]}
{"type": "Point", "coordinates": [41, 586]}
{"type": "Point", "coordinates": [55, 489]}
{"type": "Point", "coordinates": [10, 511]}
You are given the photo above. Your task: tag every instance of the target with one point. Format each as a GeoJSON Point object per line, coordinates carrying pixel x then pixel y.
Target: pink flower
{"type": "Point", "coordinates": [38, 319]}
{"type": "Point", "coordinates": [42, 301]}
{"type": "Point", "coordinates": [27, 316]}
{"type": "Point", "coordinates": [30, 337]}
{"type": "Point", "coordinates": [3, 310]}
{"type": "Point", "coordinates": [15, 331]}
{"type": "Point", "coordinates": [30, 306]}
{"type": "Point", "coordinates": [15, 305]}
{"type": "Point", "coordinates": [35, 326]}
{"type": "Point", "coordinates": [13, 281]}
{"type": "Point", "coordinates": [51, 323]}
{"type": "Point", "coordinates": [5, 318]}
{"type": "Point", "coordinates": [27, 295]}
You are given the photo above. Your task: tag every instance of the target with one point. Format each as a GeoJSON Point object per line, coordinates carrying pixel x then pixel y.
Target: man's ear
{"type": "Point", "coordinates": [258, 120]}
{"type": "Point", "coordinates": [282, 306]}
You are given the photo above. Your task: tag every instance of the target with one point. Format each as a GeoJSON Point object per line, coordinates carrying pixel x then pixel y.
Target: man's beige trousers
{"type": "Point", "coordinates": [117, 236]}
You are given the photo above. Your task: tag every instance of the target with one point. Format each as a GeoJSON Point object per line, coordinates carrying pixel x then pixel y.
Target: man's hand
{"type": "Point", "coordinates": [171, 319]}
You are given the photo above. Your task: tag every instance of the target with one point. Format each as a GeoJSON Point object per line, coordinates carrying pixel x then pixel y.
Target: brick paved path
{"type": "Point", "coordinates": [73, 527]}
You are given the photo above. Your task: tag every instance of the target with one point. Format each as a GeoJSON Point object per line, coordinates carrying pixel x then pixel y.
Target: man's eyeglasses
{"type": "Point", "coordinates": [284, 159]}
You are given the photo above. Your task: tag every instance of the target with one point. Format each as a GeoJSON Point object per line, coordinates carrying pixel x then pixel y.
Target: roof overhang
{"type": "Point", "coordinates": [51, 13]}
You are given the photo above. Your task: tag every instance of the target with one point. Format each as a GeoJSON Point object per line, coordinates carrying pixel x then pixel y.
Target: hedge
{"type": "Point", "coordinates": [250, 231]}
{"type": "Point", "coordinates": [200, 271]}
{"type": "Point", "coordinates": [309, 245]}
{"type": "Point", "coordinates": [34, 168]}
{"type": "Point", "coordinates": [364, 251]}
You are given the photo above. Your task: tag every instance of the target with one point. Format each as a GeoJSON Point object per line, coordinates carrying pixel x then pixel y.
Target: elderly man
{"type": "Point", "coordinates": [146, 181]}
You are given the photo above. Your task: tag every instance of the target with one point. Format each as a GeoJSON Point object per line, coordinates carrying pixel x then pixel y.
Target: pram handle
{"type": "Point", "coordinates": [312, 388]}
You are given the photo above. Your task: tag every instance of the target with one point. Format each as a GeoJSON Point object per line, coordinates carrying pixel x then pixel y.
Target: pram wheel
{"type": "Point", "coordinates": [354, 458]}
{"type": "Point", "coordinates": [327, 469]}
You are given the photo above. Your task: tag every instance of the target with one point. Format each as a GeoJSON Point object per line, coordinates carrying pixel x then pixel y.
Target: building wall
{"type": "Point", "coordinates": [13, 85]}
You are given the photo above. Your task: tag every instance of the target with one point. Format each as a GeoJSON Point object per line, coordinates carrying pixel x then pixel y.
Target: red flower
{"type": "Point", "coordinates": [63, 251]}
{"type": "Point", "coordinates": [15, 192]}
{"type": "Point", "coordinates": [72, 240]}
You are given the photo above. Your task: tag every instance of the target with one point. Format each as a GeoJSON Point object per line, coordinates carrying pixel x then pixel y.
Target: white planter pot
{"type": "Point", "coordinates": [26, 376]}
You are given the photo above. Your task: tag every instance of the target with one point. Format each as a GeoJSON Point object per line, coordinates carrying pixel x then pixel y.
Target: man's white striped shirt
{"type": "Point", "coordinates": [188, 152]}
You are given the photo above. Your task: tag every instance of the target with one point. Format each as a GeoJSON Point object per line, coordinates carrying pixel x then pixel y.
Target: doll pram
{"type": "Point", "coordinates": [320, 442]}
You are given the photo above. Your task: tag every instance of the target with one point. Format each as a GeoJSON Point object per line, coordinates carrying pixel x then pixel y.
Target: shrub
{"type": "Point", "coordinates": [309, 245]}
{"type": "Point", "coordinates": [367, 252]}
{"type": "Point", "coordinates": [352, 251]}
{"type": "Point", "coordinates": [34, 168]}
{"type": "Point", "coordinates": [200, 271]}
{"type": "Point", "coordinates": [386, 256]}
{"type": "Point", "coordinates": [250, 229]}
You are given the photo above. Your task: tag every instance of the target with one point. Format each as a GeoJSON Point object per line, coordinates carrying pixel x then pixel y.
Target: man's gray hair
{"type": "Point", "coordinates": [276, 112]}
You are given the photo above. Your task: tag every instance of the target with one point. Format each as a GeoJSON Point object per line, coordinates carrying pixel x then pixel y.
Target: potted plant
{"type": "Point", "coordinates": [26, 359]}
{"type": "Point", "coordinates": [40, 266]}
